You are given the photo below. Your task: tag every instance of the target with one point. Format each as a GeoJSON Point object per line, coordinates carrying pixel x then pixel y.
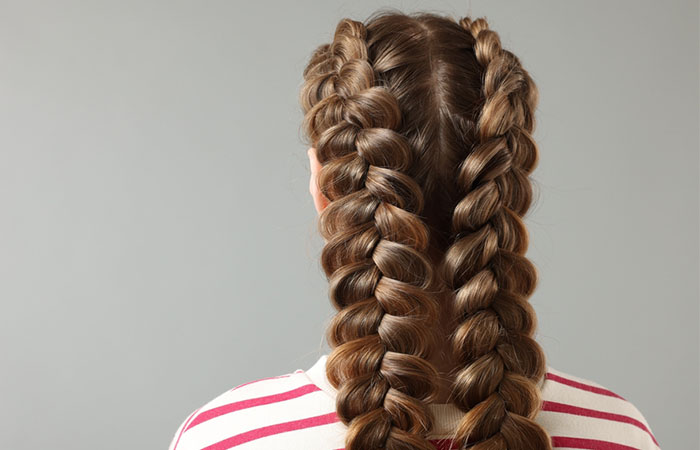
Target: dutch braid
{"type": "Point", "coordinates": [423, 127]}
{"type": "Point", "coordinates": [380, 277]}
{"type": "Point", "coordinates": [501, 365]}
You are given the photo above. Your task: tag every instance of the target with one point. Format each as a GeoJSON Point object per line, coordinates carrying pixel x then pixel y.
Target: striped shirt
{"type": "Point", "coordinates": [296, 411]}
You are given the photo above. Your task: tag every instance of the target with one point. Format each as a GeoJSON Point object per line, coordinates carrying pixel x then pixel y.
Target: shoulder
{"type": "Point", "coordinates": [284, 411]}
{"type": "Point", "coordinates": [580, 413]}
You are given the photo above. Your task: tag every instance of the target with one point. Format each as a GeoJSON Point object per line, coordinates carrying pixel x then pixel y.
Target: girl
{"type": "Point", "coordinates": [420, 147]}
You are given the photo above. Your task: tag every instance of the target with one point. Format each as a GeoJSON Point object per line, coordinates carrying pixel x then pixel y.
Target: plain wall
{"type": "Point", "coordinates": [158, 243]}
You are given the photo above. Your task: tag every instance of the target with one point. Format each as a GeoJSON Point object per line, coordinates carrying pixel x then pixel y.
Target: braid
{"type": "Point", "coordinates": [500, 364]}
{"type": "Point", "coordinates": [423, 127]}
{"type": "Point", "coordinates": [374, 257]}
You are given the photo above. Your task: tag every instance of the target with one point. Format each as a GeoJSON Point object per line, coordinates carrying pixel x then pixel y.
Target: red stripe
{"type": "Point", "coordinates": [185, 426]}
{"type": "Point", "coordinates": [271, 430]}
{"type": "Point", "coordinates": [579, 411]}
{"type": "Point", "coordinates": [595, 444]}
{"type": "Point", "coordinates": [249, 403]}
{"type": "Point", "coordinates": [583, 386]}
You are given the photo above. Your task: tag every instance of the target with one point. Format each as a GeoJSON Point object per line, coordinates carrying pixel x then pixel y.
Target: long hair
{"type": "Point", "coordinates": [423, 127]}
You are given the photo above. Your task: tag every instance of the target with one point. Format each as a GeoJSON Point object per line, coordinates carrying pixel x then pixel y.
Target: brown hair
{"type": "Point", "coordinates": [423, 127]}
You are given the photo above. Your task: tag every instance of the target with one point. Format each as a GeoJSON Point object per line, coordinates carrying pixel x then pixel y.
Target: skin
{"type": "Point", "coordinates": [442, 361]}
{"type": "Point", "coordinates": [320, 201]}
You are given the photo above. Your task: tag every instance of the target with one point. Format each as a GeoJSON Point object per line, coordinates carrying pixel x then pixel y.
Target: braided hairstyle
{"type": "Point", "coordinates": [500, 364]}
{"type": "Point", "coordinates": [422, 126]}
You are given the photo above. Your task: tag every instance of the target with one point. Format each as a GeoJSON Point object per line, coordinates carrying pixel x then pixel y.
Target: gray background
{"type": "Point", "coordinates": [158, 243]}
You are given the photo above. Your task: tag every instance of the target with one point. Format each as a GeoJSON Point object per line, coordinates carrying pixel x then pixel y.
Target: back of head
{"type": "Point", "coordinates": [423, 127]}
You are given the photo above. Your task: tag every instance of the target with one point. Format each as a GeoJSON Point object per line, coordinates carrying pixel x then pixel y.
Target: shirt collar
{"type": "Point", "coordinates": [317, 374]}
{"type": "Point", "coordinates": [447, 416]}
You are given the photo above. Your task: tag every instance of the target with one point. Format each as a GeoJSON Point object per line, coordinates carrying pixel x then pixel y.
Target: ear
{"type": "Point", "coordinates": [320, 200]}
